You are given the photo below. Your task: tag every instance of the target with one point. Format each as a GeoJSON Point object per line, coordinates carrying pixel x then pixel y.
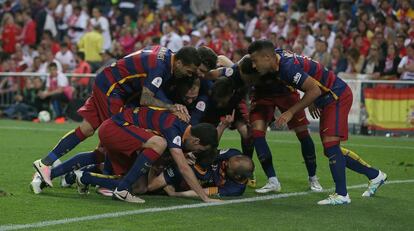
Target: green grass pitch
{"type": "Point", "coordinates": [391, 209]}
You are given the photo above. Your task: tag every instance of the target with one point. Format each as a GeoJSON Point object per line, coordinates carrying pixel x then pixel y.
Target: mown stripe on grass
{"type": "Point", "coordinates": [270, 140]}
{"type": "Point", "coordinates": [171, 208]}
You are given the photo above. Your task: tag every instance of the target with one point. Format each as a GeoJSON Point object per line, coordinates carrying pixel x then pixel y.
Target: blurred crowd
{"type": "Point", "coordinates": [372, 37]}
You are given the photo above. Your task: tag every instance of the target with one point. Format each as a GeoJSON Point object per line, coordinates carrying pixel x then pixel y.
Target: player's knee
{"type": "Point", "coordinates": [157, 143]}
{"type": "Point", "coordinates": [328, 144]}
{"type": "Point", "coordinates": [302, 132]}
{"type": "Point", "coordinates": [86, 128]}
{"type": "Point", "coordinates": [259, 125]}
{"type": "Point", "coordinates": [258, 134]}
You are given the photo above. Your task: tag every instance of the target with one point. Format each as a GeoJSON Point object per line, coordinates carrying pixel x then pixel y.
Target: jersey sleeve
{"type": "Point", "coordinates": [199, 110]}
{"type": "Point", "coordinates": [156, 76]}
{"type": "Point", "coordinates": [173, 137]}
{"type": "Point", "coordinates": [292, 73]}
{"type": "Point", "coordinates": [231, 188]}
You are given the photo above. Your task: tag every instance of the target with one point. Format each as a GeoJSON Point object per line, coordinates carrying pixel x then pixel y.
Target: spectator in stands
{"type": "Point", "coordinates": [49, 43]}
{"type": "Point", "coordinates": [126, 40]}
{"type": "Point", "coordinates": [171, 39]}
{"type": "Point", "coordinates": [27, 103]}
{"type": "Point", "coordinates": [103, 23]}
{"type": "Point", "coordinates": [406, 12]}
{"type": "Point", "coordinates": [66, 58]}
{"type": "Point", "coordinates": [196, 39]}
{"type": "Point", "coordinates": [77, 23]}
{"type": "Point", "coordinates": [57, 91]}
{"type": "Point", "coordinates": [92, 45]}
{"type": "Point", "coordinates": [400, 45]}
{"type": "Point", "coordinates": [321, 52]}
{"type": "Point", "coordinates": [406, 66]}
{"type": "Point", "coordinates": [338, 62]}
{"type": "Point", "coordinates": [355, 61]}
{"type": "Point", "coordinates": [62, 14]}
{"type": "Point", "coordinates": [82, 67]}
{"type": "Point", "coordinates": [374, 63]}
{"type": "Point", "coordinates": [392, 61]}
{"type": "Point", "coordinates": [9, 34]}
{"type": "Point", "coordinates": [327, 35]}
{"type": "Point", "coordinates": [28, 35]}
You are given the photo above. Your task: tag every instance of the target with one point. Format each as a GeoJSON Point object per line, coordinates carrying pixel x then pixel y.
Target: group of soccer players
{"type": "Point", "coordinates": [161, 115]}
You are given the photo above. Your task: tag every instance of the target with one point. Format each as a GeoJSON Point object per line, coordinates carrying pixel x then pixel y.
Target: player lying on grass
{"type": "Point", "coordinates": [328, 97]}
{"type": "Point", "coordinates": [227, 176]}
{"type": "Point", "coordinates": [266, 93]}
{"type": "Point", "coordinates": [125, 133]}
{"type": "Point", "coordinates": [140, 73]}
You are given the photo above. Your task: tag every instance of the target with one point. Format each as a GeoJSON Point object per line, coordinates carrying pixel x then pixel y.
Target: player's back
{"type": "Point", "coordinates": [126, 76]}
{"type": "Point", "coordinates": [328, 81]}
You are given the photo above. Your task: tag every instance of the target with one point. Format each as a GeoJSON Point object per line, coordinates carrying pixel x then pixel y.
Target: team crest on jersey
{"type": "Point", "coordinates": [228, 72]}
{"type": "Point", "coordinates": [297, 77]}
{"type": "Point", "coordinates": [177, 140]}
{"type": "Point", "coordinates": [201, 106]}
{"type": "Point", "coordinates": [157, 82]}
{"type": "Point", "coordinates": [113, 64]}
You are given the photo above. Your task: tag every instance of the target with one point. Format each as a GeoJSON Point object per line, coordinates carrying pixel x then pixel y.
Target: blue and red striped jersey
{"type": "Point", "coordinates": [149, 67]}
{"type": "Point", "coordinates": [160, 121]}
{"type": "Point", "coordinates": [295, 69]}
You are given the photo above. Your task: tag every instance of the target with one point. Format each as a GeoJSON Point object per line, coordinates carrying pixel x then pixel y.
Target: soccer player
{"type": "Point", "coordinates": [243, 75]}
{"type": "Point", "coordinates": [125, 133]}
{"type": "Point", "coordinates": [227, 176]}
{"type": "Point", "coordinates": [267, 94]}
{"type": "Point", "coordinates": [140, 73]}
{"type": "Point", "coordinates": [332, 98]}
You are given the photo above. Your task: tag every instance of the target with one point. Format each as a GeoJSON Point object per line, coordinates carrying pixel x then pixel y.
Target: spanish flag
{"type": "Point", "coordinates": [390, 108]}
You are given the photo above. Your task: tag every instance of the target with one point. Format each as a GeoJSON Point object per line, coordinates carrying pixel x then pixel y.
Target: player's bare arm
{"type": "Point", "coordinates": [312, 91]}
{"type": "Point", "coordinates": [189, 175]}
{"type": "Point", "coordinates": [148, 99]}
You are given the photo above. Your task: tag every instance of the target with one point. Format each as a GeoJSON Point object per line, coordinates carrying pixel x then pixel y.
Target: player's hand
{"type": "Point", "coordinates": [314, 111]}
{"type": "Point", "coordinates": [223, 61]}
{"type": "Point", "coordinates": [181, 112]}
{"type": "Point", "coordinates": [284, 118]}
{"type": "Point", "coordinates": [191, 158]}
{"type": "Point", "coordinates": [228, 119]}
{"type": "Point", "coordinates": [211, 200]}
{"type": "Point", "coordinates": [182, 116]}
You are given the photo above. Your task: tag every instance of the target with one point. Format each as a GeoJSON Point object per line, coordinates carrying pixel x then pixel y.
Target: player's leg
{"type": "Point", "coordinates": [67, 143]}
{"type": "Point", "coordinates": [245, 137]}
{"type": "Point", "coordinates": [309, 156]}
{"type": "Point", "coordinates": [299, 123]}
{"type": "Point", "coordinates": [334, 128]}
{"type": "Point", "coordinates": [131, 141]}
{"type": "Point", "coordinates": [259, 117]}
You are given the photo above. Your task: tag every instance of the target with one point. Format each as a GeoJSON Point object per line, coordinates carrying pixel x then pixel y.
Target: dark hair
{"type": "Point", "coordinates": [207, 134]}
{"type": "Point", "coordinates": [223, 87]}
{"type": "Point", "coordinates": [246, 66]}
{"type": "Point", "coordinates": [206, 158]}
{"type": "Point", "coordinates": [260, 45]}
{"type": "Point", "coordinates": [208, 57]}
{"type": "Point", "coordinates": [81, 55]}
{"type": "Point", "coordinates": [63, 44]}
{"type": "Point", "coordinates": [52, 64]}
{"type": "Point", "coordinates": [188, 55]}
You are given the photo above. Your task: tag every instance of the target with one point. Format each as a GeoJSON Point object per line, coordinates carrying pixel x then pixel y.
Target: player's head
{"type": "Point", "coordinates": [208, 60]}
{"type": "Point", "coordinates": [202, 137]}
{"type": "Point", "coordinates": [222, 91]}
{"type": "Point", "coordinates": [262, 53]}
{"type": "Point", "coordinates": [249, 74]}
{"type": "Point", "coordinates": [239, 168]}
{"type": "Point", "coordinates": [206, 158]}
{"type": "Point", "coordinates": [188, 90]}
{"type": "Point", "coordinates": [186, 62]}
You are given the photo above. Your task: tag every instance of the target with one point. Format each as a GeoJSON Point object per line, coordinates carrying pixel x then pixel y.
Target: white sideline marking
{"type": "Point", "coordinates": [223, 138]}
{"type": "Point", "coordinates": [172, 208]}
